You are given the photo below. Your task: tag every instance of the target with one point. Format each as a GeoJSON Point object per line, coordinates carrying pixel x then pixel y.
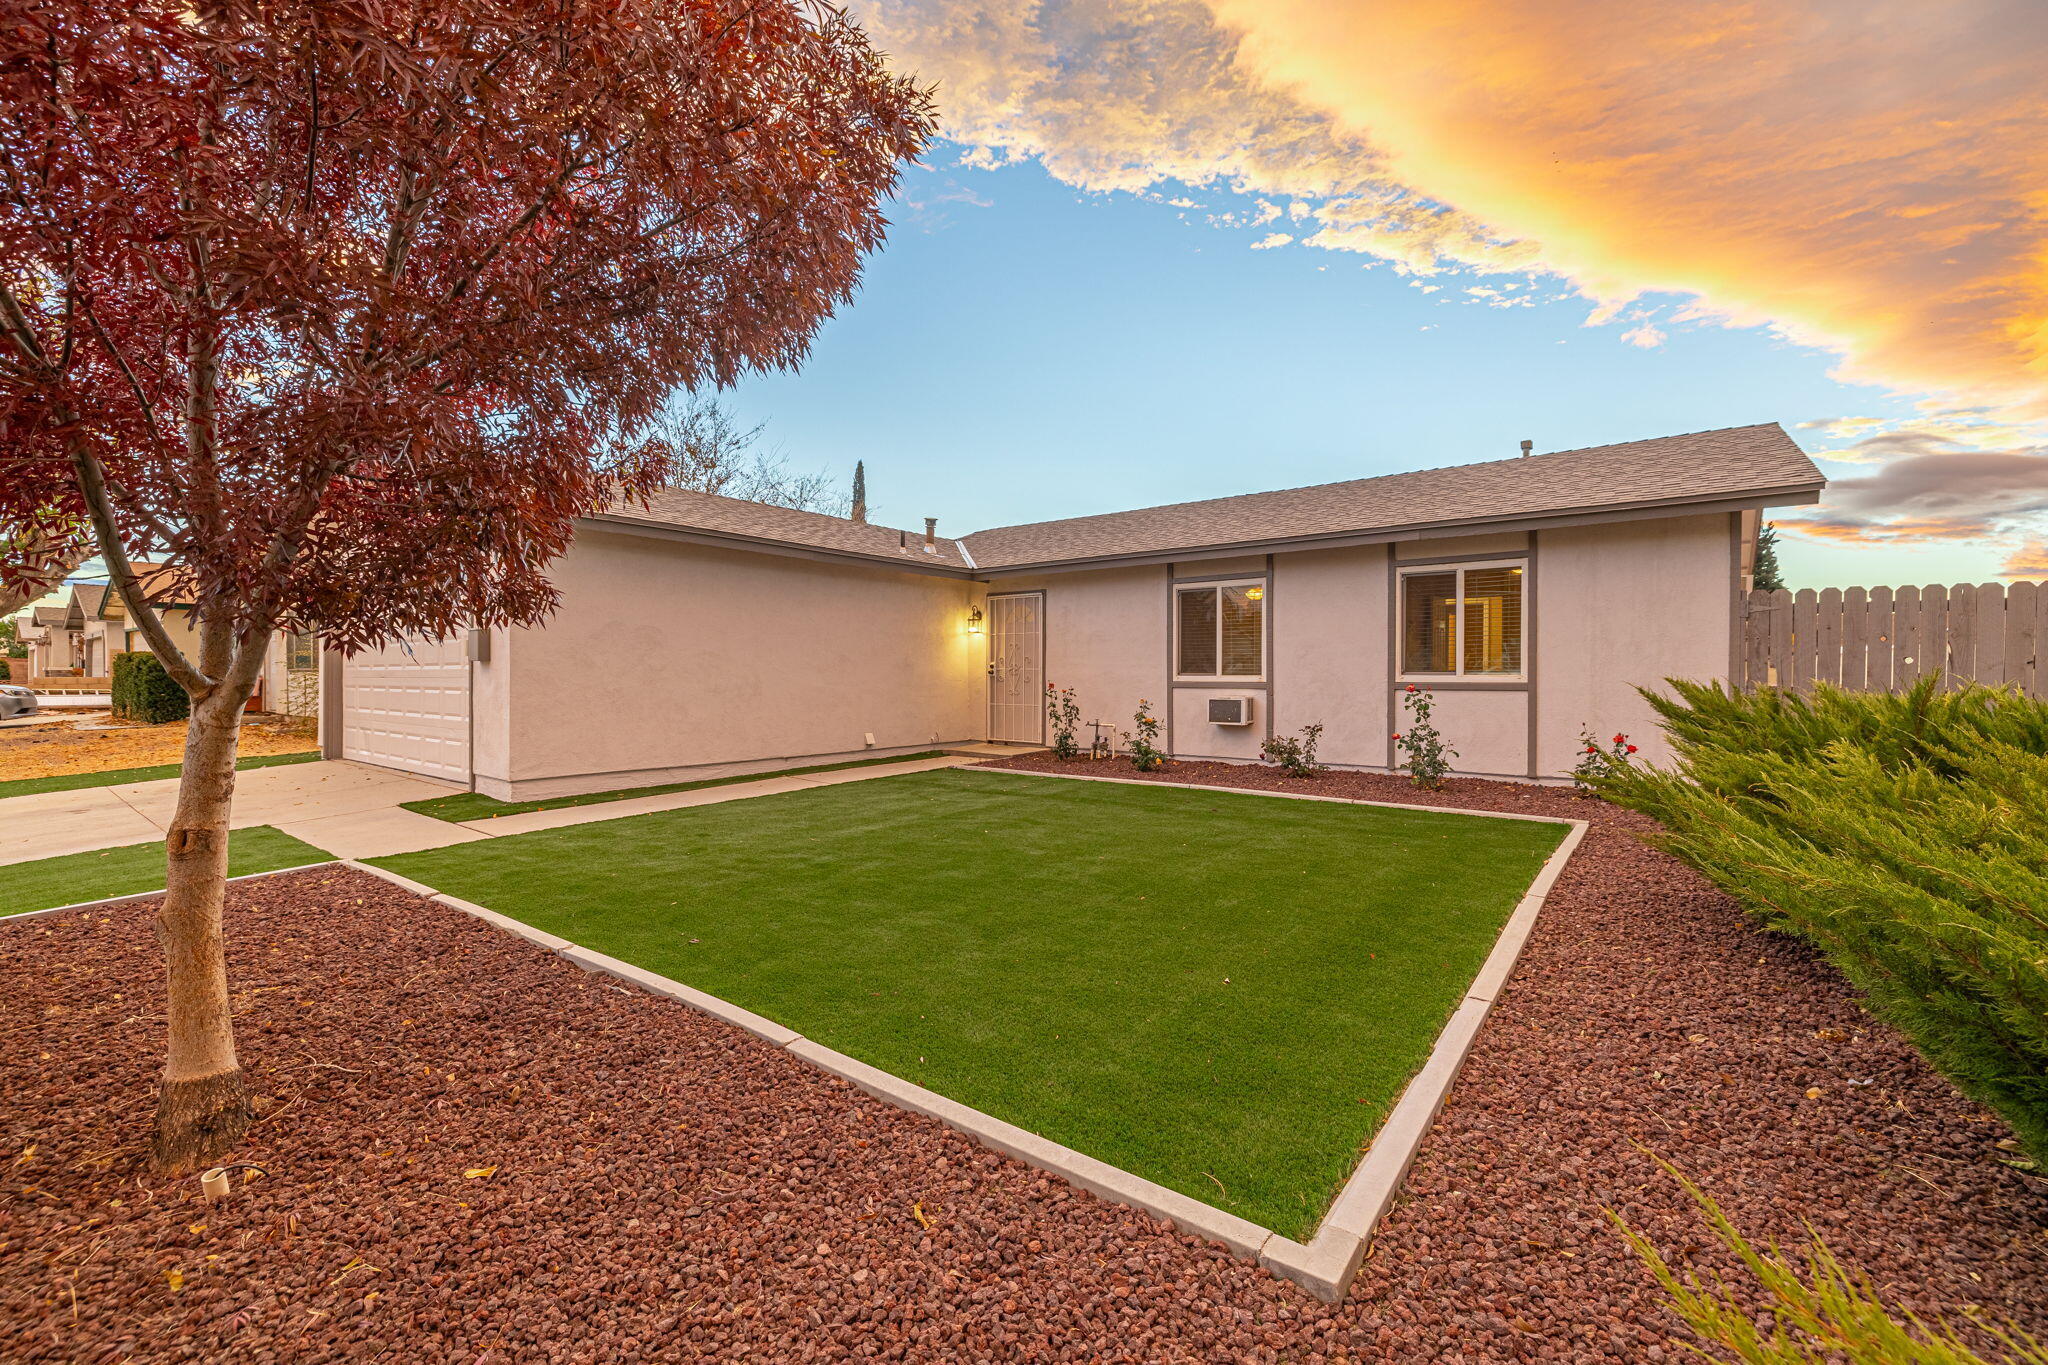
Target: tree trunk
{"type": "Point", "coordinates": [203, 1107]}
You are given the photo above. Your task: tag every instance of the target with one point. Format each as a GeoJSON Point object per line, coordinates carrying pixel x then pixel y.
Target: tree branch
{"type": "Point", "coordinates": [92, 485]}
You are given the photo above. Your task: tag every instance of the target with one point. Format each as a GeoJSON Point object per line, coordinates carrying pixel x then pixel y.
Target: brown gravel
{"type": "Point", "coordinates": [480, 1154]}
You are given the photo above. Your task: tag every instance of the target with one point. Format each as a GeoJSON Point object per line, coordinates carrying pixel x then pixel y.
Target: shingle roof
{"type": "Point", "coordinates": [53, 616]}
{"type": "Point", "coordinates": [1699, 466]}
{"type": "Point", "coordinates": [758, 521]}
{"type": "Point", "coordinates": [89, 598]}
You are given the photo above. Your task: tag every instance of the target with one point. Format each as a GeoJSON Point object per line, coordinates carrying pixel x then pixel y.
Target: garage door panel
{"type": "Point", "coordinates": [407, 707]}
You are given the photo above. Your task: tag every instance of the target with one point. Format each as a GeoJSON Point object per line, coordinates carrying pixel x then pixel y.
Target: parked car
{"type": "Point", "coordinates": [16, 701]}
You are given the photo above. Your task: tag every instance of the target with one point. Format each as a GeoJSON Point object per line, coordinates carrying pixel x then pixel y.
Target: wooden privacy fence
{"type": "Point", "coordinates": [1886, 639]}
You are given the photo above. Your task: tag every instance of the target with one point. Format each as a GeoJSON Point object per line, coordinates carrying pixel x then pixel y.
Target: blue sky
{"type": "Point", "coordinates": [1023, 350]}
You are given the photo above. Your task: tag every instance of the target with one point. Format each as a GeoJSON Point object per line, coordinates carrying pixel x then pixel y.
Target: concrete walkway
{"type": "Point", "coordinates": [351, 810]}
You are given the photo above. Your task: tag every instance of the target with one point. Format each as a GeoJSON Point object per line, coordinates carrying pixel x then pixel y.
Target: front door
{"type": "Point", "coordinates": [1016, 667]}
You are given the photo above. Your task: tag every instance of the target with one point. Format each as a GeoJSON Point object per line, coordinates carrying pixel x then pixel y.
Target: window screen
{"type": "Point", "coordinates": [1429, 618]}
{"type": "Point", "coordinates": [1243, 614]}
{"type": "Point", "coordinates": [1222, 631]}
{"type": "Point", "coordinates": [1493, 620]}
{"type": "Point", "coordinates": [299, 652]}
{"type": "Point", "coordinates": [1463, 621]}
{"type": "Point", "coordinates": [1198, 646]}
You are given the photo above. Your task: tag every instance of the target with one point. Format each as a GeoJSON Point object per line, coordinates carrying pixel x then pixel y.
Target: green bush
{"type": "Point", "coordinates": [1902, 834]}
{"type": "Point", "coordinates": [1817, 1313]}
{"type": "Point", "coordinates": [142, 691]}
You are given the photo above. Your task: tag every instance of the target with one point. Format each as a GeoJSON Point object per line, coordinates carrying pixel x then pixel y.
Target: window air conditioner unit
{"type": "Point", "coordinates": [1230, 710]}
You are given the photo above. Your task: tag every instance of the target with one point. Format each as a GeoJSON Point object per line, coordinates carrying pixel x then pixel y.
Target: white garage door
{"type": "Point", "coordinates": [407, 706]}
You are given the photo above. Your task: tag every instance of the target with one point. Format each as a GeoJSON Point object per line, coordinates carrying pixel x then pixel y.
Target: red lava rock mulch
{"type": "Point", "coordinates": [478, 1153]}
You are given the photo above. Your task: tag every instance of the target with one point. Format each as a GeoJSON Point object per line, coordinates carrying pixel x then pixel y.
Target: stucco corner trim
{"type": "Point", "coordinates": [1327, 1264]}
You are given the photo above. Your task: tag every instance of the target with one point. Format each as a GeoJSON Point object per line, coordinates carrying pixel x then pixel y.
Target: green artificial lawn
{"type": "Point", "coordinates": [1203, 988]}
{"type": "Point", "coordinates": [477, 806]}
{"type": "Point", "coordinates": [29, 786]}
{"type": "Point", "coordinates": [108, 872]}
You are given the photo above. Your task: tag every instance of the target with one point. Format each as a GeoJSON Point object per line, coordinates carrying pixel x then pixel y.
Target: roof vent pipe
{"type": "Point", "coordinates": [931, 535]}
{"type": "Point", "coordinates": [1527, 447]}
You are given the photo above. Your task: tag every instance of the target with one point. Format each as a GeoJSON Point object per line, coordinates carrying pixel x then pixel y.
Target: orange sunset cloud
{"type": "Point", "coordinates": [1871, 177]}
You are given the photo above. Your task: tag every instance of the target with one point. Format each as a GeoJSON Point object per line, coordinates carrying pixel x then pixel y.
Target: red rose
{"type": "Point", "coordinates": [1411, 687]}
{"type": "Point", "coordinates": [1592, 748]}
{"type": "Point", "coordinates": [1631, 748]}
{"type": "Point", "coordinates": [1397, 736]}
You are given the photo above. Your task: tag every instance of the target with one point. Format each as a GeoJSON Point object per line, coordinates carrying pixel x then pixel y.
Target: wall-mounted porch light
{"type": "Point", "coordinates": [974, 621]}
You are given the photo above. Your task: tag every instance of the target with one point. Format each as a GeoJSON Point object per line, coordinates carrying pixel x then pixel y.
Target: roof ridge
{"type": "Point", "coordinates": [1372, 478]}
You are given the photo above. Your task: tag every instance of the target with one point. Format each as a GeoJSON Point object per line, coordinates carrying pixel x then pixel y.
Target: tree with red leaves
{"type": "Point", "coordinates": [345, 312]}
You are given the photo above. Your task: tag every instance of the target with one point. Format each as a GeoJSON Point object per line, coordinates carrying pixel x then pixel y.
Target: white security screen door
{"type": "Point", "coordinates": [1016, 667]}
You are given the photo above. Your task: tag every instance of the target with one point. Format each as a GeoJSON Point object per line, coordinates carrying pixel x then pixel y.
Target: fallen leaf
{"type": "Point", "coordinates": [479, 1172]}
{"type": "Point", "coordinates": [917, 1212]}
{"type": "Point", "coordinates": [175, 1278]}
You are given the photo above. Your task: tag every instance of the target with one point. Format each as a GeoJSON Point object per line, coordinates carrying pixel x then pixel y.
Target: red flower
{"type": "Point", "coordinates": [1621, 739]}
{"type": "Point", "coordinates": [1631, 748]}
{"type": "Point", "coordinates": [1592, 748]}
{"type": "Point", "coordinates": [1397, 736]}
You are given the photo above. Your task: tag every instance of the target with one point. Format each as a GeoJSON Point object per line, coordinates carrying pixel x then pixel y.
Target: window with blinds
{"type": "Point", "coordinates": [1463, 622]}
{"type": "Point", "coordinates": [1220, 631]}
{"type": "Point", "coordinates": [1429, 623]}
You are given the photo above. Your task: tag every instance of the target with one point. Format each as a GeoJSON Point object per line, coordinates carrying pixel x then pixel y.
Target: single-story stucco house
{"type": "Point", "coordinates": [702, 635]}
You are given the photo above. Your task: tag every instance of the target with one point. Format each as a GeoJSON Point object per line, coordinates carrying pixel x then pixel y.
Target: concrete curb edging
{"type": "Point", "coordinates": [1329, 1262]}
{"type": "Point", "coordinates": [112, 901]}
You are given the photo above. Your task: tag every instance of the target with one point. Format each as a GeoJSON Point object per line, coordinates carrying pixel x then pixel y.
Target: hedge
{"type": "Point", "coordinates": [143, 692]}
{"type": "Point", "coordinates": [1902, 834]}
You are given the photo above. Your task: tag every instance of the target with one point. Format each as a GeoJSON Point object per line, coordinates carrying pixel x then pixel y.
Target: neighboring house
{"type": "Point", "coordinates": [55, 637]}
{"type": "Point", "coordinates": [94, 626]}
{"type": "Point", "coordinates": [703, 635]}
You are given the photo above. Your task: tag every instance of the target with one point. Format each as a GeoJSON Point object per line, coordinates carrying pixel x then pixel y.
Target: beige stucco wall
{"type": "Point", "coordinates": [1105, 637]}
{"type": "Point", "coordinates": [1611, 605]}
{"type": "Point", "coordinates": [669, 659]}
{"type": "Point", "coordinates": [1625, 605]}
{"type": "Point", "coordinates": [1329, 650]}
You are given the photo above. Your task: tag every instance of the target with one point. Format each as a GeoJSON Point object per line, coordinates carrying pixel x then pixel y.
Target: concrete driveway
{"type": "Point", "coordinates": [349, 809]}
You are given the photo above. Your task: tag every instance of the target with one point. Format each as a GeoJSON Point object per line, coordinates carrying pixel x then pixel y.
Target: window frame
{"type": "Point", "coordinates": [312, 664]}
{"type": "Point", "coordinates": [1458, 672]}
{"type": "Point", "coordinates": [1217, 585]}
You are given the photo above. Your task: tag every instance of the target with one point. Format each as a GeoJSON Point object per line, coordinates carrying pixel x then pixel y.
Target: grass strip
{"type": "Point", "coordinates": [64, 782]}
{"type": "Point", "coordinates": [1224, 993]}
{"type": "Point", "coordinates": [477, 806]}
{"type": "Point", "coordinates": [104, 873]}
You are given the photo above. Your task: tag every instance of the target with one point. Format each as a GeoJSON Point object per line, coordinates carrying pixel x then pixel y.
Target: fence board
{"type": "Point", "coordinates": [2022, 628]}
{"type": "Point", "coordinates": [1855, 637]}
{"type": "Point", "coordinates": [1962, 634]}
{"type": "Point", "coordinates": [2040, 688]}
{"type": "Point", "coordinates": [1905, 636]}
{"type": "Point", "coordinates": [1780, 674]}
{"type": "Point", "coordinates": [1990, 633]}
{"type": "Point", "coordinates": [1883, 640]}
{"type": "Point", "coordinates": [1756, 637]}
{"type": "Point", "coordinates": [1805, 626]}
{"type": "Point", "coordinates": [1933, 631]}
{"type": "Point", "coordinates": [1827, 637]}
